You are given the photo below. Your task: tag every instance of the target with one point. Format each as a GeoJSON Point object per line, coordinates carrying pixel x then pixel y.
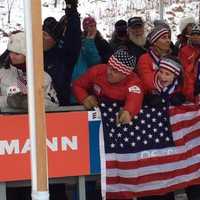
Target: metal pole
{"type": "Point", "coordinates": [37, 124]}
{"type": "Point", "coordinates": [161, 6]}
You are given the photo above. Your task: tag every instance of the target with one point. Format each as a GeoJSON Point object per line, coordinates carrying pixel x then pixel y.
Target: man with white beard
{"type": "Point", "coordinates": [136, 37]}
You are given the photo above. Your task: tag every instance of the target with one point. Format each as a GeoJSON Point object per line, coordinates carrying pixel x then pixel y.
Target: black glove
{"type": "Point", "coordinates": [153, 100]}
{"type": "Point", "coordinates": [18, 101]}
{"type": "Point", "coordinates": [71, 6]}
{"type": "Point", "coordinates": [177, 99]}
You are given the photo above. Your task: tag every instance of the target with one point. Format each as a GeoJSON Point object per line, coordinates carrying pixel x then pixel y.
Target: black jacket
{"type": "Point", "coordinates": [60, 60]}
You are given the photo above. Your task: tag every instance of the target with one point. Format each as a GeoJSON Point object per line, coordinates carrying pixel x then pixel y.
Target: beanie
{"type": "Point", "coordinates": [157, 33]}
{"type": "Point", "coordinates": [135, 21]}
{"type": "Point", "coordinates": [17, 43]}
{"type": "Point", "coordinates": [160, 22]}
{"type": "Point", "coordinates": [53, 28]}
{"type": "Point", "coordinates": [185, 21]}
{"type": "Point", "coordinates": [195, 29]}
{"type": "Point", "coordinates": [171, 64]}
{"type": "Point", "coordinates": [122, 62]}
{"type": "Point", "coordinates": [121, 25]}
{"type": "Point", "coordinates": [88, 21]}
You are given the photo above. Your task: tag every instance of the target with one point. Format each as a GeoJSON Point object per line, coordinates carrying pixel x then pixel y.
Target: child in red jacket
{"type": "Point", "coordinates": [169, 78]}
{"type": "Point", "coordinates": [115, 80]}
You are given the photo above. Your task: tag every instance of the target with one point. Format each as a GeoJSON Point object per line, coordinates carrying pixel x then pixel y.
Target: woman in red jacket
{"type": "Point", "coordinates": [189, 56]}
{"type": "Point", "coordinates": [116, 81]}
{"type": "Point", "coordinates": [148, 63]}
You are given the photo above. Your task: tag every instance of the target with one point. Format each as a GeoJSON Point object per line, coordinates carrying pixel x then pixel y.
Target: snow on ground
{"type": "Point", "coordinates": [105, 12]}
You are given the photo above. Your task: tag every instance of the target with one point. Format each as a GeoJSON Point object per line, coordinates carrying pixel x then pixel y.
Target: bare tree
{"type": "Point", "coordinates": [55, 3]}
{"type": "Point", "coordinates": [9, 6]}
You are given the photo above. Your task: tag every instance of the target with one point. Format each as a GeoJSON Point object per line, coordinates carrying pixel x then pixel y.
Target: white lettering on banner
{"type": "Point", "coordinates": [13, 146]}
{"type": "Point", "coordinates": [72, 144]}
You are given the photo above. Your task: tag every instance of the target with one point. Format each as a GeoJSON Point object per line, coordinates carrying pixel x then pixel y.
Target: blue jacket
{"type": "Point", "coordinates": [88, 56]}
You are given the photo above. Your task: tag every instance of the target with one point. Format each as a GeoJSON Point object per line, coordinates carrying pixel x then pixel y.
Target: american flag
{"type": "Point", "coordinates": [148, 156]}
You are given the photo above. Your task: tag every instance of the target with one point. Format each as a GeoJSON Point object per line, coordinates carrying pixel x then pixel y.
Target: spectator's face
{"type": "Point", "coordinates": [48, 41]}
{"type": "Point", "coordinates": [136, 35]}
{"type": "Point", "coordinates": [136, 31]}
{"type": "Point", "coordinates": [91, 28]}
{"type": "Point", "coordinates": [114, 76]}
{"type": "Point", "coordinates": [189, 29]}
{"type": "Point", "coordinates": [17, 58]}
{"type": "Point", "coordinates": [163, 43]}
{"type": "Point", "coordinates": [165, 77]}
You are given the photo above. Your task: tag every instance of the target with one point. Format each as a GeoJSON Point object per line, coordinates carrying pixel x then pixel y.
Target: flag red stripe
{"type": "Point", "coordinates": [184, 124]}
{"type": "Point", "coordinates": [128, 195]}
{"type": "Point", "coordinates": [152, 161]}
{"type": "Point", "coordinates": [182, 109]}
{"type": "Point", "coordinates": [154, 176]}
{"type": "Point", "coordinates": [187, 138]}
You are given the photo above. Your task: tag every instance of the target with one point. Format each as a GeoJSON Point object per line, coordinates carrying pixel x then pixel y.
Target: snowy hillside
{"type": "Point", "coordinates": [106, 12]}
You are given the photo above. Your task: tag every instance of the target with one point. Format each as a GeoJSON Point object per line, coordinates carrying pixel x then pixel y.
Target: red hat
{"type": "Point", "coordinates": [88, 21]}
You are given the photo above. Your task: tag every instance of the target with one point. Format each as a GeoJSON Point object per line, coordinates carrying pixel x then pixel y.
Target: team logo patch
{"type": "Point", "coordinates": [134, 89]}
{"type": "Point", "coordinates": [12, 90]}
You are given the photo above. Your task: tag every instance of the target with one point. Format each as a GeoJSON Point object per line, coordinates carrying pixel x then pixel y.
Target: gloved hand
{"type": "Point", "coordinates": [90, 102]}
{"type": "Point", "coordinates": [177, 99]}
{"type": "Point", "coordinates": [153, 100]}
{"type": "Point", "coordinates": [123, 117]}
{"type": "Point", "coordinates": [71, 6]}
{"type": "Point", "coordinates": [18, 101]}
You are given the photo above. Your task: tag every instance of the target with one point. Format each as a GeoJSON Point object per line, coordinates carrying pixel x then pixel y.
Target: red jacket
{"type": "Point", "coordinates": [128, 90]}
{"type": "Point", "coordinates": [146, 70]}
{"type": "Point", "coordinates": [189, 56]}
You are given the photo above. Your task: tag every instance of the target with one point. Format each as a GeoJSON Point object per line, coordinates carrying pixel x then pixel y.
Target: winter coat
{"type": "Point", "coordinates": [95, 81]}
{"type": "Point", "coordinates": [116, 43]}
{"type": "Point", "coordinates": [88, 56]}
{"type": "Point", "coordinates": [103, 47]}
{"type": "Point", "coordinates": [59, 61]}
{"type": "Point", "coordinates": [189, 56]}
{"type": "Point", "coordinates": [135, 50]}
{"type": "Point", "coordinates": [13, 77]}
{"type": "Point", "coordinates": [147, 69]}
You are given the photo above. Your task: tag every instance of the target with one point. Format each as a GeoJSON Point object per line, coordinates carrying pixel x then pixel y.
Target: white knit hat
{"type": "Point", "coordinates": [185, 21]}
{"type": "Point", "coordinates": [17, 43]}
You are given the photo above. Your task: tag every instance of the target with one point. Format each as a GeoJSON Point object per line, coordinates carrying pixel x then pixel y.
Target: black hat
{"type": "Point", "coordinates": [121, 27]}
{"type": "Point", "coordinates": [196, 29]}
{"type": "Point", "coordinates": [135, 21]}
{"type": "Point", "coordinates": [53, 28]}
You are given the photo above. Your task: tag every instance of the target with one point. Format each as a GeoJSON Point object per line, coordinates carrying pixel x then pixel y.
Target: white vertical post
{"type": "Point", "coordinates": [37, 123]}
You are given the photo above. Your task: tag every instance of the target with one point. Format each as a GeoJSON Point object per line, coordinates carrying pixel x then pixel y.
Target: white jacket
{"type": "Point", "coordinates": [13, 80]}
